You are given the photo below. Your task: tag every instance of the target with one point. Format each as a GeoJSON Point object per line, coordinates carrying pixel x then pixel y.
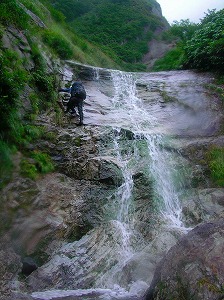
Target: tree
{"type": "Point", "coordinates": [205, 50]}
{"type": "Point", "coordinates": [183, 29]}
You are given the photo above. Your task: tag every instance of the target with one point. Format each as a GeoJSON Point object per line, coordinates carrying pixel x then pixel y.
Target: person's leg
{"type": "Point", "coordinates": [71, 106]}
{"type": "Point", "coordinates": [80, 110]}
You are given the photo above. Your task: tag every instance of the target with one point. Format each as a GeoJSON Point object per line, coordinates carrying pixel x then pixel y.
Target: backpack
{"type": "Point", "coordinates": [78, 91]}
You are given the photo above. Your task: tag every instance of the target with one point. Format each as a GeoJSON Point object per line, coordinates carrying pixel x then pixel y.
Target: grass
{"type": "Point", "coordinates": [12, 13]}
{"type": "Point", "coordinates": [6, 165]}
{"type": "Point", "coordinates": [38, 163]}
{"type": "Point", "coordinates": [216, 165]}
{"type": "Point", "coordinates": [218, 87]}
{"type": "Point", "coordinates": [58, 44]}
{"type": "Point", "coordinates": [171, 61]}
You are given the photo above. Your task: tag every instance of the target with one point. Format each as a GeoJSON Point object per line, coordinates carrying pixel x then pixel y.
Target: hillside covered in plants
{"type": "Point", "coordinates": [121, 28]}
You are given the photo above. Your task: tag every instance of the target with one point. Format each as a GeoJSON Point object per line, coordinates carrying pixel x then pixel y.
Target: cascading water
{"type": "Point", "coordinates": [119, 237]}
{"type": "Point", "coordinates": [161, 160]}
{"type": "Point", "coordinates": [162, 166]}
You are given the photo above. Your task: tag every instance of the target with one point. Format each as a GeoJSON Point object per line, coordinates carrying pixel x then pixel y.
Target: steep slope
{"type": "Point", "coordinates": [122, 28]}
{"type": "Point", "coordinates": [34, 41]}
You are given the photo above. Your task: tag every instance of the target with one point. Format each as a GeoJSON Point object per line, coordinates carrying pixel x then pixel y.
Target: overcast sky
{"type": "Point", "coordinates": [188, 9]}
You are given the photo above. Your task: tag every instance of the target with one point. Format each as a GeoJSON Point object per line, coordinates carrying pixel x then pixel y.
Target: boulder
{"type": "Point", "coordinates": [193, 268]}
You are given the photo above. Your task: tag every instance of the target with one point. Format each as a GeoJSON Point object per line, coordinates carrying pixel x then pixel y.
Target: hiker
{"type": "Point", "coordinates": [78, 94]}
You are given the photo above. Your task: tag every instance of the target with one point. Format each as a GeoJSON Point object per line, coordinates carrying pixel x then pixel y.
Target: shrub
{"type": "Point", "coordinates": [184, 30]}
{"type": "Point", "coordinates": [205, 50]}
{"type": "Point", "coordinates": [202, 45]}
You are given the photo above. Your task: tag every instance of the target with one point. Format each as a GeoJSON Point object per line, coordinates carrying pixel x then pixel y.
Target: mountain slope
{"type": "Point", "coordinates": [122, 28]}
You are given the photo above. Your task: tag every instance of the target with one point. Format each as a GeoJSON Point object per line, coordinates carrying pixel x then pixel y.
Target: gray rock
{"type": "Point", "coordinates": [206, 205]}
{"type": "Point", "coordinates": [194, 267]}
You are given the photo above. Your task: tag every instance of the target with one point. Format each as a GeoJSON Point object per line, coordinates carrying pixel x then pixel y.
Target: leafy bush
{"type": "Point", "coordinates": [205, 50]}
{"type": "Point", "coordinates": [58, 43]}
{"type": "Point", "coordinates": [184, 30]}
{"type": "Point", "coordinates": [202, 44]}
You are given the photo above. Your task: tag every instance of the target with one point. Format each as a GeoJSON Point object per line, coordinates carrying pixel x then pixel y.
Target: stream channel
{"type": "Point", "coordinates": [149, 115]}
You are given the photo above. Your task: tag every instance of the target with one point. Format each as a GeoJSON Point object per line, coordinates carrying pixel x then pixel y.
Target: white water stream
{"type": "Point", "coordinates": [161, 164]}
{"type": "Point", "coordinates": [163, 169]}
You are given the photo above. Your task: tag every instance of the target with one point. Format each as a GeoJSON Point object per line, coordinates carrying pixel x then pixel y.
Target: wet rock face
{"type": "Point", "coordinates": [55, 208]}
{"type": "Point", "coordinates": [206, 205]}
{"type": "Point", "coordinates": [194, 267]}
{"type": "Point", "coordinates": [72, 268]}
{"type": "Point", "coordinates": [10, 266]}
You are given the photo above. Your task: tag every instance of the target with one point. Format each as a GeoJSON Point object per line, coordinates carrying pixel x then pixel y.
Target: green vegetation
{"type": "Point", "coordinates": [174, 291]}
{"type": "Point", "coordinates": [58, 44]}
{"type": "Point", "coordinates": [199, 46]}
{"type": "Point", "coordinates": [13, 14]}
{"type": "Point", "coordinates": [216, 165]}
{"type": "Point", "coordinates": [20, 69]}
{"type": "Point", "coordinates": [39, 163]}
{"type": "Point", "coordinates": [122, 29]}
{"type": "Point", "coordinates": [205, 50]}
{"type": "Point", "coordinates": [171, 61]}
{"type": "Point", "coordinates": [6, 165]}
{"type": "Point", "coordinates": [12, 81]}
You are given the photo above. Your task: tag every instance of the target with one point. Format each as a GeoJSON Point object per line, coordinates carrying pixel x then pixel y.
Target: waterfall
{"type": "Point", "coordinates": [161, 163]}
{"type": "Point", "coordinates": [108, 256]}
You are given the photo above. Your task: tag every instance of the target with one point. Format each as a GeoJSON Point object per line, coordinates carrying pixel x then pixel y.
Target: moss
{"type": "Point", "coordinates": [175, 290]}
{"type": "Point", "coordinates": [77, 232]}
{"type": "Point", "coordinates": [77, 141]}
{"type": "Point", "coordinates": [166, 97]}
